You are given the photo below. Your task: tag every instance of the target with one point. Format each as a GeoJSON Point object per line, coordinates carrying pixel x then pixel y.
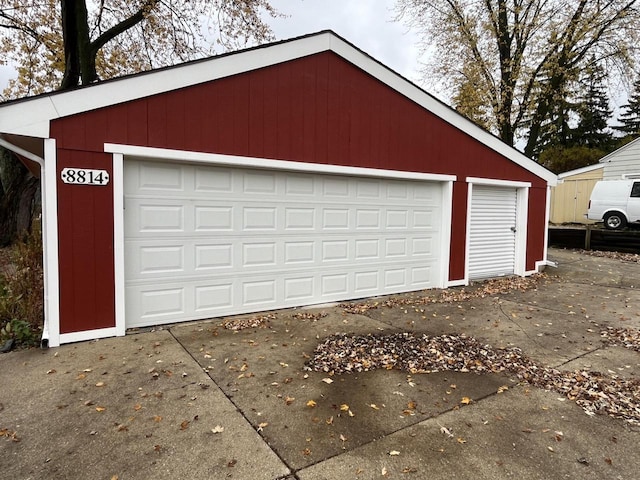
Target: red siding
{"type": "Point", "coordinates": [87, 298]}
{"type": "Point", "coordinates": [318, 109]}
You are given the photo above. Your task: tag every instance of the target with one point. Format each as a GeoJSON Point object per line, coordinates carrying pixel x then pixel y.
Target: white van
{"type": "Point", "coordinates": [615, 202]}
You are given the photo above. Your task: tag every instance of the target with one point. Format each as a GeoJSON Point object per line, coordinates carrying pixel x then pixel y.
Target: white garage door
{"type": "Point", "coordinates": [203, 241]}
{"type": "Point", "coordinates": [492, 232]}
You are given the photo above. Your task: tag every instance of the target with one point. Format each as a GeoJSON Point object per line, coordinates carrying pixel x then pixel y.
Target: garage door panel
{"type": "Point", "coordinates": [213, 179]}
{"type": "Point", "coordinates": [160, 176]}
{"type": "Point", "coordinates": [235, 240]}
{"type": "Point", "coordinates": [213, 218]}
{"type": "Point", "coordinates": [212, 298]}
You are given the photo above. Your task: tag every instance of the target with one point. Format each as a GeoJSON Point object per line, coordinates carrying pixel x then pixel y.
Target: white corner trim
{"type": "Point", "coordinates": [445, 227]}
{"type": "Point", "coordinates": [522, 228]}
{"type": "Point", "coordinates": [50, 242]}
{"type": "Point", "coordinates": [547, 217]}
{"type": "Point", "coordinates": [88, 335]}
{"type": "Point", "coordinates": [457, 283]}
{"type": "Point", "coordinates": [497, 183]}
{"type": "Point", "coordinates": [153, 153]}
{"type": "Point", "coordinates": [118, 242]}
{"type": "Point", "coordinates": [467, 240]}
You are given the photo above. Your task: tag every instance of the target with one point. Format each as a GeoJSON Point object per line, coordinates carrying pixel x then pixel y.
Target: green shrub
{"type": "Point", "coordinates": [22, 291]}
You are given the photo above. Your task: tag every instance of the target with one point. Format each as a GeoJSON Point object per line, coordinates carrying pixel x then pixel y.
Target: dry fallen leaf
{"type": "Point", "coordinates": [344, 407]}
{"type": "Point", "coordinates": [217, 429]}
{"type": "Point", "coordinates": [289, 400]}
{"type": "Point", "coordinates": [327, 380]}
{"type": "Point", "coordinates": [157, 418]}
{"type": "Point", "coordinates": [394, 453]}
{"type": "Point", "coordinates": [343, 438]}
{"type": "Point", "coordinates": [137, 407]}
{"type": "Point", "coordinates": [311, 403]}
{"type": "Point", "coordinates": [184, 425]}
{"type": "Point", "coordinates": [100, 409]}
{"type": "Point", "coordinates": [374, 406]}
{"type": "Point", "coordinates": [100, 384]}
{"type": "Point", "coordinates": [465, 401]}
{"type": "Point", "coordinates": [461, 440]}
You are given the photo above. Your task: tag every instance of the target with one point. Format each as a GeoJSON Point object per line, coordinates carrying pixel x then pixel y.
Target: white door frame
{"type": "Point", "coordinates": [522, 210]}
{"type": "Point", "coordinates": [119, 153]}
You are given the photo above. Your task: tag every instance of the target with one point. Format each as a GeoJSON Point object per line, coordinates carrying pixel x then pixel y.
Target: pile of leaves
{"type": "Point", "coordinates": [625, 257]}
{"type": "Point", "coordinates": [625, 337]}
{"type": "Point", "coordinates": [488, 288]}
{"type": "Point", "coordinates": [258, 321]}
{"type": "Point", "coordinates": [593, 391]}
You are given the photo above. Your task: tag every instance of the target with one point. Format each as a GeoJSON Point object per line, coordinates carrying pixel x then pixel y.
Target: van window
{"type": "Point", "coordinates": [635, 190]}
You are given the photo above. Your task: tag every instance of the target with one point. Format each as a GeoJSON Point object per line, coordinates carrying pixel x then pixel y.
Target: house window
{"type": "Point", "coordinates": [635, 190]}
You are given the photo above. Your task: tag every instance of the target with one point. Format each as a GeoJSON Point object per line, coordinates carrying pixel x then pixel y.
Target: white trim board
{"type": "Point", "coordinates": [88, 335]}
{"type": "Point", "coordinates": [263, 163]}
{"type": "Point", "coordinates": [32, 117]}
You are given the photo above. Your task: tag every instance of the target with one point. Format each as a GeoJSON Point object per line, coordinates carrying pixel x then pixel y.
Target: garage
{"type": "Point", "coordinates": [203, 241]}
{"type": "Point", "coordinates": [294, 173]}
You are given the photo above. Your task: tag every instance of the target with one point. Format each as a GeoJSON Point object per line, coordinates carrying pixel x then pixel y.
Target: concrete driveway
{"type": "Point", "coordinates": [199, 400]}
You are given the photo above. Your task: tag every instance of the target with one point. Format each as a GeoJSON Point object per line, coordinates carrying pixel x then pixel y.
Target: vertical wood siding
{"type": "Point", "coordinates": [317, 109]}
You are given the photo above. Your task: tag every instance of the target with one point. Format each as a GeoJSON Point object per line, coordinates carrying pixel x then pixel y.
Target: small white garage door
{"type": "Point", "coordinates": [204, 241]}
{"type": "Point", "coordinates": [492, 231]}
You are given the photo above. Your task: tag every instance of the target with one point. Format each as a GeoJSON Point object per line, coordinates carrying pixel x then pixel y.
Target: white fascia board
{"type": "Point", "coordinates": [28, 117]}
{"type": "Point", "coordinates": [32, 117]}
{"type": "Point", "coordinates": [578, 171]}
{"type": "Point", "coordinates": [153, 153]}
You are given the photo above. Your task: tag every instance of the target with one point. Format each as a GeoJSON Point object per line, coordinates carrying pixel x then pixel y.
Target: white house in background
{"type": "Point", "coordinates": [623, 163]}
{"type": "Point", "coordinates": [570, 198]}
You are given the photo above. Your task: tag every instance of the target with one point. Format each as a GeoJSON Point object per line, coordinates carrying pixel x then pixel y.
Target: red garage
{"type": "Point", "coordinates": [296, 173]}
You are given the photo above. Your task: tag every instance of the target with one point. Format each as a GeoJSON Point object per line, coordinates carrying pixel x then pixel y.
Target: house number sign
{"type": "Point", "coordinates": [84, 176]}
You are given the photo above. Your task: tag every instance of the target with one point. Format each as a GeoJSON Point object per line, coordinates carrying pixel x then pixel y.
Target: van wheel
{"type": "Point", "coordinates": [615, 221]}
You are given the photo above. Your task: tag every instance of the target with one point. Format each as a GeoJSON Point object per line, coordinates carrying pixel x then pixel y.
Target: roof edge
{"type": "Point", "coordinates": [32, 116]}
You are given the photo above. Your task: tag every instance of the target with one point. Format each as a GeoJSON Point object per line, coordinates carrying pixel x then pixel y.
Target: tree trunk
{"type": "Point", "coordinates": [19, 198]}
{"type": "Point", "coordinates": [79, 57]}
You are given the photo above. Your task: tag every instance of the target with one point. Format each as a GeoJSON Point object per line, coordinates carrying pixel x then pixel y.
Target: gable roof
{"type": "Point", "coordinates": [32, 116]}
{"type": "Point", "coordinates": [578, 171]}
{"type": "Point", "coordinates": [612, 156]}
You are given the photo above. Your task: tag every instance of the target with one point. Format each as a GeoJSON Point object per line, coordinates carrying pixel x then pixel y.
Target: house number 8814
{"type": "Point", "coordinates": [84, 176]}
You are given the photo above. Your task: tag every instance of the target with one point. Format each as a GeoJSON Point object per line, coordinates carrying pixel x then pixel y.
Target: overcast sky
{"type": "Point", "coordinates": [365, 23]}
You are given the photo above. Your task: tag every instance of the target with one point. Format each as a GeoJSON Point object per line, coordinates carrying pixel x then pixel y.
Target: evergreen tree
{"type": "Point", "coordinates": [592, 108]}
{"type": "Point", "coordinates": [630, 117]}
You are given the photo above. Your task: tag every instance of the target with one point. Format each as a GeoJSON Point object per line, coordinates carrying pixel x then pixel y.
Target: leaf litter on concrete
{"type": "Point", "coordinates": [488, 288]}
{"type": "Point", "coordinates": [625, 257]}
{"type": "Point", "coordinates": [595, 392]}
